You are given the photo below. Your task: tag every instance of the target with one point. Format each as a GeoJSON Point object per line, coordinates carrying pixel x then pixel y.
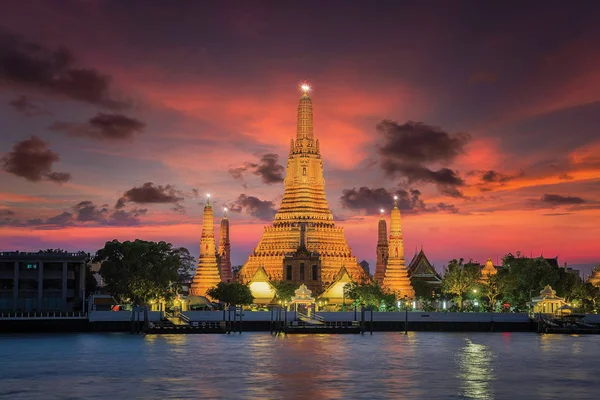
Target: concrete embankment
{"type": "Point", "coordinates": [106, 321]}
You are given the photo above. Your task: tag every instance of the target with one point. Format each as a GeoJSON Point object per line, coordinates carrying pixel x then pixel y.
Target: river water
{"type": "Point", "coordinates": [420, 365]}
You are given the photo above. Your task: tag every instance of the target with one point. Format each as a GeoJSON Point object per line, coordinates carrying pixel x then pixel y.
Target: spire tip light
{"type": "Point", "coordinates": [305, 87]}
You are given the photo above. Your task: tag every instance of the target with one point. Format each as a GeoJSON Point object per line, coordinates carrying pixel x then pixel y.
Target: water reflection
{"type": "Point", "coordinates": [421, 365]}
{"type": "Point", "coordinates": [475, 364]}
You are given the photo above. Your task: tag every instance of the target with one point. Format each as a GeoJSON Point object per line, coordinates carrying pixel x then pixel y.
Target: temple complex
{"type": "Point", "coordinates": [594, 279]}
{"type": "Point", "coordinates": [395, 278]}
{"type": "Point", "coordinates": [303, 245]}
{"type": "Point", "coordinates": [225, 250]}
{"type": "Point", "coordinates": [382, 250]}
{"type": "Point", "coordinates": [207, 273]}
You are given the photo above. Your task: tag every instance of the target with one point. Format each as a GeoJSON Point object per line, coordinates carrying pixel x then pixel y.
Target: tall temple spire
{"type": "Point", "coordinates": [396, 275]}
{"type": "Point", "coordinates": [304, 216]}
{"type": "Point", "coordinates": [207, 273]}
{"type": "Point", "coordinates": [225, 250]}
{"type": "Point", "coordinates": [305, 115]}
{"type": "Point", "coordinates": [382, 249]}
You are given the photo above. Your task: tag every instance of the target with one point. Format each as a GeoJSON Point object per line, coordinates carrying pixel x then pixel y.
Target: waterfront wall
{"type": "Point", "coordinates": [122, 316]}
{"type": "Point", "coordinates": [377, 316]}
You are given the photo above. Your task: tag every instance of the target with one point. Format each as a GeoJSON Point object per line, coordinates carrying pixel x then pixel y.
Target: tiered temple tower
{"type": "Point", "coordinates": [382, 250]}
{"type": "Point", "coordinates": [225, 250]}
{"type": "Point", "coordinates": [207, 273]}
{"type": "Point", "coordinates": [303, 205]}
{"type": "Point", "coordinates": [396, 275]}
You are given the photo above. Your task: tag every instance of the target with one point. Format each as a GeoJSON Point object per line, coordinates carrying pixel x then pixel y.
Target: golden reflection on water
{"type": "Point", "coordinates": [475, 370]}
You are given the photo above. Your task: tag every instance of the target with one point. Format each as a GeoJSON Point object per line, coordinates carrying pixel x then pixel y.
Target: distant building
{"type": "Point", "coordinates": [42, 281]}
{"type": "Point", "coordinates": [365, 265]}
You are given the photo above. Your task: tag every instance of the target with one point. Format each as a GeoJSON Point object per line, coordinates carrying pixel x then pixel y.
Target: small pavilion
{"type": "Point", "coordinates": [303, 298]}
{"type": "Point", "coordinates": [548, 302]}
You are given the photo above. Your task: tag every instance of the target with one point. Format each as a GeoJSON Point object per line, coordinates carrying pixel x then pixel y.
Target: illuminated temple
{"type": "Point", "coordinates": [303, 245]}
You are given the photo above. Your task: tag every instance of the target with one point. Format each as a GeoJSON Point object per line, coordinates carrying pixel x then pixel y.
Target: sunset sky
{"type": "Point", "coordinates": [118, 117]}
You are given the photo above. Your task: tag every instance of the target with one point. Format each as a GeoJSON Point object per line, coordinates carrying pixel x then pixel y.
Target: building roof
{"type": "Point", "coordinates": [420, 267]}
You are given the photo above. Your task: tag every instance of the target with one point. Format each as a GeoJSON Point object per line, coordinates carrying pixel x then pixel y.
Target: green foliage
{"type": "Point", "coordinates": [231, 293]}
{"type": "Point", "coordinates": [585, 297]}
{"type": "Point", "coordinates": [528, 276]}
{"type": "Point", "coordinates": [284, 290]}
{"type": "Point", "coordinates": [459, 279]}
{"type": "Point", "coordinates": [143, 271]}
{"type": "Point", "coordinates": [494, 288]}
{"type": "Point", "coordinates": [371, 295]}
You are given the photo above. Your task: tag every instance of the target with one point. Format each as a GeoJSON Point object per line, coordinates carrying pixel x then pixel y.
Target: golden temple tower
{"type": "Point", "coordinates": [382, 249]}
{"type": "Point", "coordinates": [396, 275]}
{"type": "Point", "coordinates": [487, 271]}
{"type": "Point", "coordinates": [303, 204]}
{"type": "Point", "coordinates": [225, 250]}
{"type": "Point", "coordinates": [207, 273]}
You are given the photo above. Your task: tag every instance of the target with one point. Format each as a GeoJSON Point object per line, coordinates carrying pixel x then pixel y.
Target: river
{"type": "Point", "coordinates": [420, 365]}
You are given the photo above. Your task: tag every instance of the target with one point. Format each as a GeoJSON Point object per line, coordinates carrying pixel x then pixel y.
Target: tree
{"type": "Point", "coordinates": [231, 293]}
{"type": "Point", "coordinates": [142, 271]}
{"type": "Point", "coordinates": [586, 297]}
{"type": "Point", "coordinates": [370, 294]}
{"type": "Point", "coordinates": [493, 288]}
{"type": "Point", "coordinates": [459, 278]}
{"type": "Point", "coordinates": [528, 276]}
{"type": "Point", "coordinates": [284, 290]}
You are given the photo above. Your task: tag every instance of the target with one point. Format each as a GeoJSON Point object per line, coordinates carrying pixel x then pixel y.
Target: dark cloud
{"type": "Point", "coordinates": [149, 193]}
{"type": "Point", "coordinates": [372, 200]}
{"type": "Point", "coordinates": [83, 213]}
{"type": "Point", "coordinates": [126, 218]}
{"type": "Point", "coordinates": [27, 65]}
{"type": "Point", "coordinates": [409, 148]}
{"type": "Point", "coordinates": [5, 213]}
{"type": "Point", "coordinates": [558, 200]}
{"type": "Point", "coordinates": [416, 142]}
{"type": "Point", "coordinates": [269, 169]}
{"type": "Point", "coordinates": [32, 159]}
{"type": "Point", "coordinates": [26, 107]}
{"type": "Point", "coordinates": [63, 219]}
{"type": "Point", "coordinates": [261, 209]}
{"type": "Point", "coordinates": [87, 211]}
{"type": "Point", "coordinates": [491, 176]}
{"type": "Point", "coordinates": [102, 126]}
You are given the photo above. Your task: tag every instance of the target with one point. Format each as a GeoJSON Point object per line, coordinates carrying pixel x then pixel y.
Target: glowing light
{"type": "Point", "coordinates": [474, 290]}
{"type": "Point", "coordinates": [414, 304]}
{"type": "Point", "coordinates": [382, 211]}
{"type": "Point", "coordinates": [208, 195]}
{"type": "Point", "coordinates": [444, 304]}
{"type": "Point", "coordinates": [305, 88]}
{"type": "Point", "coordinates": [225, 209]}
{"type": "Point", "coordinates": [395, 197]}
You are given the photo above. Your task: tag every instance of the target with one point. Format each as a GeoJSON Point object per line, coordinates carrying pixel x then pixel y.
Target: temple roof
{"type": "Point", "coordinates": [421, 267]}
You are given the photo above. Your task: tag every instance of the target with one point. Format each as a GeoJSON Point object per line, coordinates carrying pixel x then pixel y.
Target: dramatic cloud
{"type": "Point", "coordinates": [409, 148]}
{"type": "Point", "coordinates": [558, 200]}
{"type": "Point", "coordinates": [269, 169]}
{"type": "Point", "coordinates": [417, 142]}
{"type": "Point", "coordinates": [27, 65]}
{"type": "Point", "coordinates": [84, 213]}
{"type": "Point", "coordinates": [32, 159]}
{"type": "Point", "coordinates": [102, 126]}
{"type": "Point", "coordinates": [126, 218]}
{"type": "Point", "coordinates": [261, 209]}
{"type": "Point", "coordinates": [23, 105]}
{"type": "Point", "coordinates": [87, 211]}
{"type": "Point", "coordinates": [149, 193]}
{"type": "Point", "coordinates": [372, 200]}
